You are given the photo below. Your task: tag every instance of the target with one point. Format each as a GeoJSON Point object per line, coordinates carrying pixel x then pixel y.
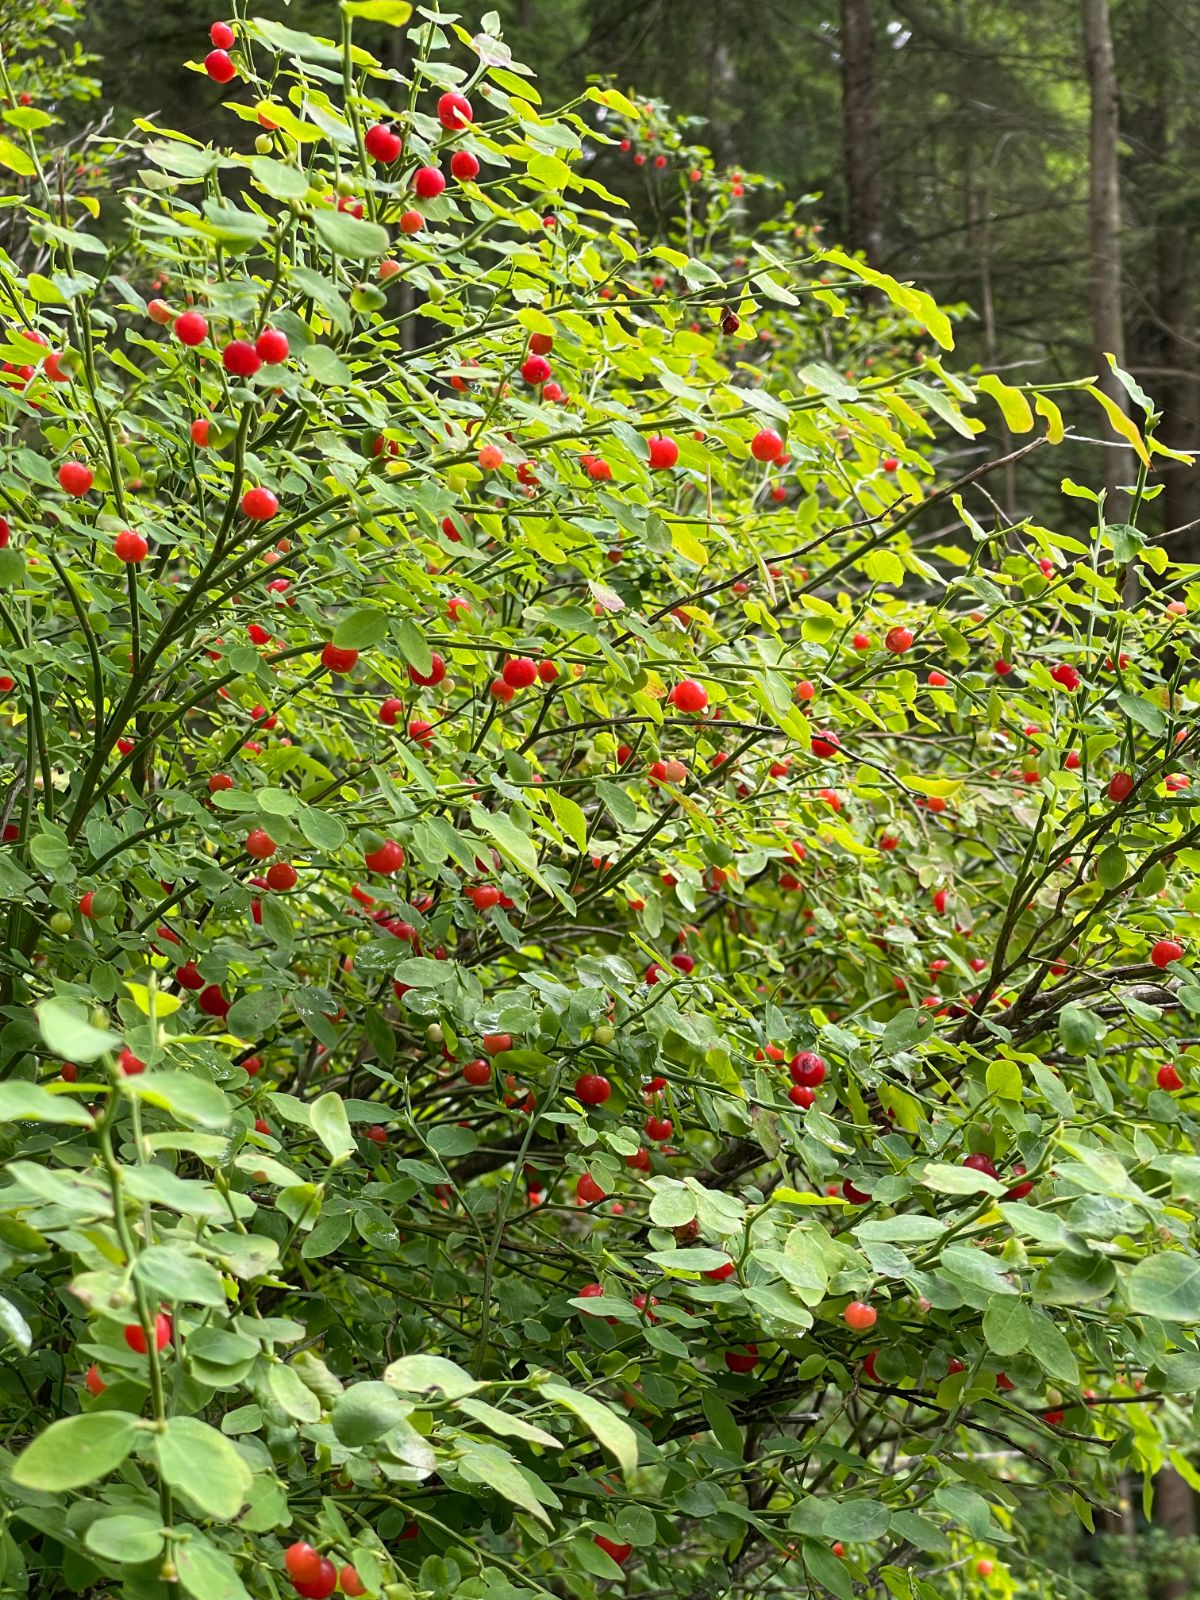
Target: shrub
{"type": "Point", "coordinates": [597, 944]}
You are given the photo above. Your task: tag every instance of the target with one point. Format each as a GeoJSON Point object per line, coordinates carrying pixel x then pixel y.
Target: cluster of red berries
{"type": "Point", "coordinates": [315, 1577]}
{"type": "Point", "coordinates": [218, 63]}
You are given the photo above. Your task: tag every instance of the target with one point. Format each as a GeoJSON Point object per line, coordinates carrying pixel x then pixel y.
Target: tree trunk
{"type": "Point", "coordinates": [1175, 1512]}
{"type": "Point", "coordinates": [1104, 200]}
{"type": "Point", "coordinates": [860, 131]}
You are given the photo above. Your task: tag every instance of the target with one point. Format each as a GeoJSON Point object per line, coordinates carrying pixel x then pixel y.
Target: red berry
{"type": "Point", "coordinates": [1120, 786]}
{"type": "Point", "coordinates": [351, 1583]}
{"type": "Point", "coordinates": [188, 976]}
{"type": "Point", "coordinates": [978, 1162]}
{"type": "Point", "coordinates": [478, 1072]}
{"type": "Point", "coordinates": [213, 1002]}
{"type": "Point", "coordinates": [454, 111]}
{"type": "Point", "coordinates": [383, 144]}
{"type": "Point", "coordinates": [464, 166]}
{"type": "Point", "coordinates": [898, 640]}
{"type": "Point", "coordinates": [135, 1334]}
{"type": "Point", "coordinates": [620, 1553]}
{"type": "Point", "coordinates": [766, 445]}
{"type": "Point", "coordinates": [591, 1088]}
{"type": "Point", "coordinates": [743, 1360]}
{"type": "Point", "coordinates": [1164, 951]}
{"type": "Point", "coordinates": [281, 876]}
{"type": "Point", "coordinates": [1168, 1078]}
{"type": "Point", "coordinates": [260, 844]}
{"type": "Point", "coordinates": [271, 346]}
{"type": "Point", "coordinates": [338, 659]}
{"type": "Point", "coordinates": [588, 1191]}
{"type": "Point", "coordinates": [93, 1382]}
{"type": "Point", "coordinates": [688, 695]}
{"type": "Point", "coordinates": [859, 1315]}
{"type": "Point", "coordinates": [320, 1587]}
{"type": "Point", "coordinates": [411, 222]}
{"type": "Point", "coordinates": [495, 1044]}
{"type": "Point", "coordinates": [130, 1064]}
{"type": "Point", "coordinates": [721, 1273]}
{"type": "Point", "coordinates": [659, 1128]}
{"type": "Point", "coordinates": [221, 35]}
{"type": "Point", "coordinates": [437, 671]}
{"type": "Point", "coordinates": [260, 505]}
{"type": "Point", "coordinates": [130, 547]}
{"type": "Point", "coordinates": [74, 478]}
{"type": "Point", "coordinates": [240, 360]}
{"type": "Point", "coordinates": [664, 453]}
{"type": "Point", "coordinates": [535, 370]}
{"type": "Point", "coordinates": [1019, 1190]}
{"type": "Point", "coordinates": [519, 672]}
{"type": "Point", "coordinates": [390, 710]}
{"type": "Point", "coordinates": [428, 183]}
{"type": "Point", "coordinates": [191, 328]}
{"type": "Point", "coordinates": [200, 431]}
{"type": "Point", "coordinates": [808, 1069]}
{"type": "Point", "coordinates": [388, 858]}
{"type": "Point", "coordinates": [219, 68]}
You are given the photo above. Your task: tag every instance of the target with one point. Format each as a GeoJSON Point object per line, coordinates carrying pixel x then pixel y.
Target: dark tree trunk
{"type": "Point", "coordinates": [860, 130]}
{"type": "Point", "coordinates": [1104, 201]}
{"type": "Point", "coordinates": [1175, 1512]}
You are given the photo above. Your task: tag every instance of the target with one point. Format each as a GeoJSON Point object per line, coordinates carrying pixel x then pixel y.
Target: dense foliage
{"type": "Point", "coordinates": [598, 975]}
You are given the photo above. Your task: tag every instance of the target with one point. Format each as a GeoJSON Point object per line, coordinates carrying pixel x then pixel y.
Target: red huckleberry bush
{"type": "Point", "coordinates": [574, 1010]}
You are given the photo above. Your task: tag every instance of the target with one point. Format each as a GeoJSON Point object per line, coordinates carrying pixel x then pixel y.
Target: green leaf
{"type": "Point", "coordinates": [15, 159]}
{"type": "Point", "coordinates": [14, 1327]}
{"type": "Point", "coordinates": [291, 1392]}
{"type": "Point", "coordinates": [279, 178]}
{"type": "Point", "coordinates": [361, 629]}
{"type": "Point", "coordinates": [294, 43]}
{"type": "Point", "coordinates": [495, 1469]}
{"type": "Point", "coordinates": [855, 1520]}
{"type": "Point", "coordinates": [1080, 1030]}
{"type": "Point", "coordinates": [569, 817]}
{"type": "Point", "coordinates": [1051, 1351]}
{"type": "Point", "coordinates": [1112, 867]}
{"type": "Point", "coordinates": [610, 1430]}
{"type": "Point", "coordinates": [185, 1096]}
{"type": "Point", "coordinates": [1144, 712]}
{"type": "Point", "coordinates": [425, 1374]}
{"type": "Point", "coordinates": [76, 1450]}
{"type": "Point", "coordinates": [331, 1126]}
{"type": "Point", "coordinates": [1008, 1326]}
{"type": "Point", "coordinates": [127, 1539]}
{"type": "Point", "coordinates": [351, 236]}
{"type": "Point", "coordinates": [1165, 1286]}
{"type": "Point", "coordinates": [822, 1565]}
{"type": "Point", "coordinates": [207, 1573]}
{"type": "Point", "coordinates": [505, 1424]}
{"type": "Point", "coordinates": [204, 1466]}
{"type": "Point", "coordinates": [173, 1276]}
{"type": "Point", "coordinates": [29, 1102]}
{"type": "Point", "coordinates": [366, 1411]}
{"type": "Point", "coordinates": [68, 1032]}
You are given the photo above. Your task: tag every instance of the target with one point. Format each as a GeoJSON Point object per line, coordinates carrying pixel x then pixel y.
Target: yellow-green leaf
{"type": "Point", "coordinates": [1120, 423]}
{"type": "Point", "coordinates": [15, 159]}
{"type": "Point", "coordinates": [1013, 405]}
